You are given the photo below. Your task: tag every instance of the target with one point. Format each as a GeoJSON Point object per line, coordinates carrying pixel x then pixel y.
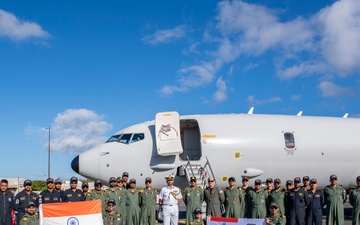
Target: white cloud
{"type": "Point", "coordinates": [192, 76]}
{"type": "Point", "coordinates": [166, 36]}
{"type": "Point", "coordinates": [221, 94]}
{"type": "Point", "coordinates": [340, 27]}
{"type": "Point", "coordinates": [253, 101]}
{"type": "Point", "coordinates": [74, 131]}
{"type": "Point", "coordinates": [19, 30]}
{"type": "Point", "coordinates": [329, 89]}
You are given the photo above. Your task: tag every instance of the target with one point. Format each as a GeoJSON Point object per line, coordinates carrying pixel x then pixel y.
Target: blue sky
{"type": "Point", "coordinates": [89, 69]}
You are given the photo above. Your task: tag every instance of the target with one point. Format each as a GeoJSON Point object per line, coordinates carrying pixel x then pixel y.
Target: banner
{"type": "Point", "coordinates": [213, 220]}
{"type": "Point", "coordinates": [71, 213]}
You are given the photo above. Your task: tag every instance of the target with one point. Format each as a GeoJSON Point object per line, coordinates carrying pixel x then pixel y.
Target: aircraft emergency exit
{"type": "Point", "coordinates": [225, 145]}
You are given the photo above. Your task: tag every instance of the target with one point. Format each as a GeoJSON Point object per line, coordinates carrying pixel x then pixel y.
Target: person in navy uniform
{"type": "Point", "coordinates": [6, 203]}
{"type": "Point", "coordinates": [50, 195]}
{"type": "Point", "coordinates": [58, 184]}
{"type": "Point", "coordinates": [73, 194]}
{"type": "Point", "coordinates": [297, 200]}
{"type": "Point", "coordinates": [314, 210]}
{"type": "Point", "coordinates": [22, 199]}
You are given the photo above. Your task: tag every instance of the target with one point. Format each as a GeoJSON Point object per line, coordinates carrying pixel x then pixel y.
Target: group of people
{"type": "Point", "coordinates": [300, 203]}
{"type": "Point", "coordinates": [124, 204]}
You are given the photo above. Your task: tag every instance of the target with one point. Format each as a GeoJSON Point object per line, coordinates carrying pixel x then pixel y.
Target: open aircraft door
{"type": "Point", "coordinates": [167, 128]}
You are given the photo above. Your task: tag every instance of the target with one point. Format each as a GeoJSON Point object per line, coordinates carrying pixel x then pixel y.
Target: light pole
{"type": "Point", "coordinates": [49, 128]}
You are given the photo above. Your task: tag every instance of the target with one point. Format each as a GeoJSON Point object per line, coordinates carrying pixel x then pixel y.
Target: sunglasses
{"type": "Point", "coordinates": [193, 181]}
{"type": "Point", "coordinates": [85, 187]}
{"type": "Point", "coordinates": [147, 182]}
{"type": "Point", "coordinates": [334, 179]}
{"type": "Point", "coordinates": [211, 181]}
{"type": "Point", "coordinates": [273, 207]}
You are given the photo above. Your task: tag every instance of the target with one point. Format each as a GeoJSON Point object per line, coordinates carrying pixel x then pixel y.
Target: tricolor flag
{"type": "Point", "coordinates": [213, 220]}
{"type": "Point", "coordinates": [71, 213]}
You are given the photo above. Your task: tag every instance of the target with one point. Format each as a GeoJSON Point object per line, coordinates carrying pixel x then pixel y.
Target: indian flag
{"type": "Point", "coordinates": [213, 220]}
{"type": "Point", "coordinates": [71, 213]}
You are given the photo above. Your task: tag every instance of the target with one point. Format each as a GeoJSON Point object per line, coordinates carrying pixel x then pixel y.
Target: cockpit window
{"type": "Point", "coordinates": [125, 138]}
{"type": "Point", "coordinates": [137, 137]}
{"type": "Point", "coordinates": [113, 138]}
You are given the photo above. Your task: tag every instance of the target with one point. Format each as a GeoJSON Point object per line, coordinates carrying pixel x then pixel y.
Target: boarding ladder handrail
{"type": "Point", "coordinates": [202, 173]}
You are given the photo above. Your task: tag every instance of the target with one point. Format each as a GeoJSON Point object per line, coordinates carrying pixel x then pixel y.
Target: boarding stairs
{"type": "Point", "coordinates": [201, 172]}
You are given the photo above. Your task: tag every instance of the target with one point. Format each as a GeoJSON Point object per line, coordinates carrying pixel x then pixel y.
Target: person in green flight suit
{"type": "Point", "coordinates": [214, 197]}
{"type": "Point", "coordinates": [121, 204]}
{"type": "Point", "coordinates": [278, 196]}
{"type": "Point", "coordinates": [98, 193]}
{"type": "Point", "coordinates": [275, 217]}
{"type": "Point", "coordinates": [258, 201]}
{"type": "Point", "coordinates": [193, 198]}
{"type": "Point", "coordinates": [30, 217]}
{"type": "Point", "coordinates": [234, 198]}
{"type": "Point", "coordinates": [114, 193]}
{"type": "Point", "coordinates": [148, 203]}
{"type": "Point", "coordinates": [245, 208]}
{"type": "Point", "coordinates": [197, 217]}
{"type": "Point", "coordinates": [132, 204]}
{"type": "Point", "coordinates": [354, 199]}
{"type": "Point", "coordinates": [335, 197]}
{"type": "Point", "coordinates": [111, 217]}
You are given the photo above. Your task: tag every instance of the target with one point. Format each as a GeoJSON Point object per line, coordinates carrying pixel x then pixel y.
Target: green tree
{"type": "Point", "coordinates": [38, 185]}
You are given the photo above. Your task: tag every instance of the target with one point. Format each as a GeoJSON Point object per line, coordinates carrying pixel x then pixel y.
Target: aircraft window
{"type": "Point", "coordinates": [113, 138]}
{"type": "Point", "coordinates": [289, 140]}
{"type": "Point", "coordinates": [125, 138]}
{"type": "Point", "coordinates": [137, 137]}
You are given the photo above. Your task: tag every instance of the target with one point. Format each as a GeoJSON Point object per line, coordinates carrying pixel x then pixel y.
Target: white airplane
{"type": "Point", "coordinates": [225, 145]}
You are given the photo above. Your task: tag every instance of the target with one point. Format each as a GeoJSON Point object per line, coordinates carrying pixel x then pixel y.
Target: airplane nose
{"type": "Point", "coordinates": [75, 164]}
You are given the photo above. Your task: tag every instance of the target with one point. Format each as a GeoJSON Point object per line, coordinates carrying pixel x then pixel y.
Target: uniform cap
{"type": "Point", "coordinates": [27, 182]}
{"type": "Point", "coordinates": [231, 178]}
{"type": "Point", "coordinates": [297, 180]}
{"type": "Point", "coordinates": [269, 180]}
{"type": "Point", "coordinates": [333, 177]}
{"type": "Point", "coordinates": [111, 202]}
{"type": "Point", "coordinates": [306, 178]}
{"type": "Point", "coordinates": [30, 204]}
{"type": "Point", "coordinates": [97, 182]}
{"type": "Point", "coordinates": [289, 182]}
{"type": "Point", "coordinates": [170, 177]}
{"type": "Point", "coordinates": [112, 179]}
{"type": "Point", "coordinates": [257, 181]}
{"type": "Point", "coordinates": [85, 184]}
{"type": "Point", "coordinates": [197, 210]}
{"type": "Point", "coordinates": [148, 179]}
{"type": "Point", "coordinates": [119, 179]}
{"type": "Point", "coordinates": [193, 178]}
{"type": "Point", "coordinates": [245, 178]}
{"type": "Point", "coordinates": [358, 178]}
{"type": "Point", "coordinates": [49, 180]}
{"type": "Point", "coordinates": [125, 174]}
{"type": "Point", "coordinates": [211, 179]}
{"type": "Point", "coordinates": [73, 179]}
{"type": "Point", "coordinates": [132, 180]}
{"type": "Point", "coordinates": [277, 180]}
{"type": "Point", "coordinates": [313, 180]}
{"type": "Point", "coordinates": [58, 181]}
{"type": "Point", "coordinates": [274, 204]}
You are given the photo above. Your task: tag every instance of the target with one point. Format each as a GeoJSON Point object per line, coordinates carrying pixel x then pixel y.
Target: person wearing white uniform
{"type": "Point", "coordinates": [170, 196]}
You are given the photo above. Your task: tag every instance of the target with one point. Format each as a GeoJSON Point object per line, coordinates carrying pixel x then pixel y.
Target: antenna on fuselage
{"type": "Point", "coordinates": [251, 110]}
{"type": "Point", "coordinates": [299, 113]}
{"type": "Point", "coordinates": [346, 115]}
